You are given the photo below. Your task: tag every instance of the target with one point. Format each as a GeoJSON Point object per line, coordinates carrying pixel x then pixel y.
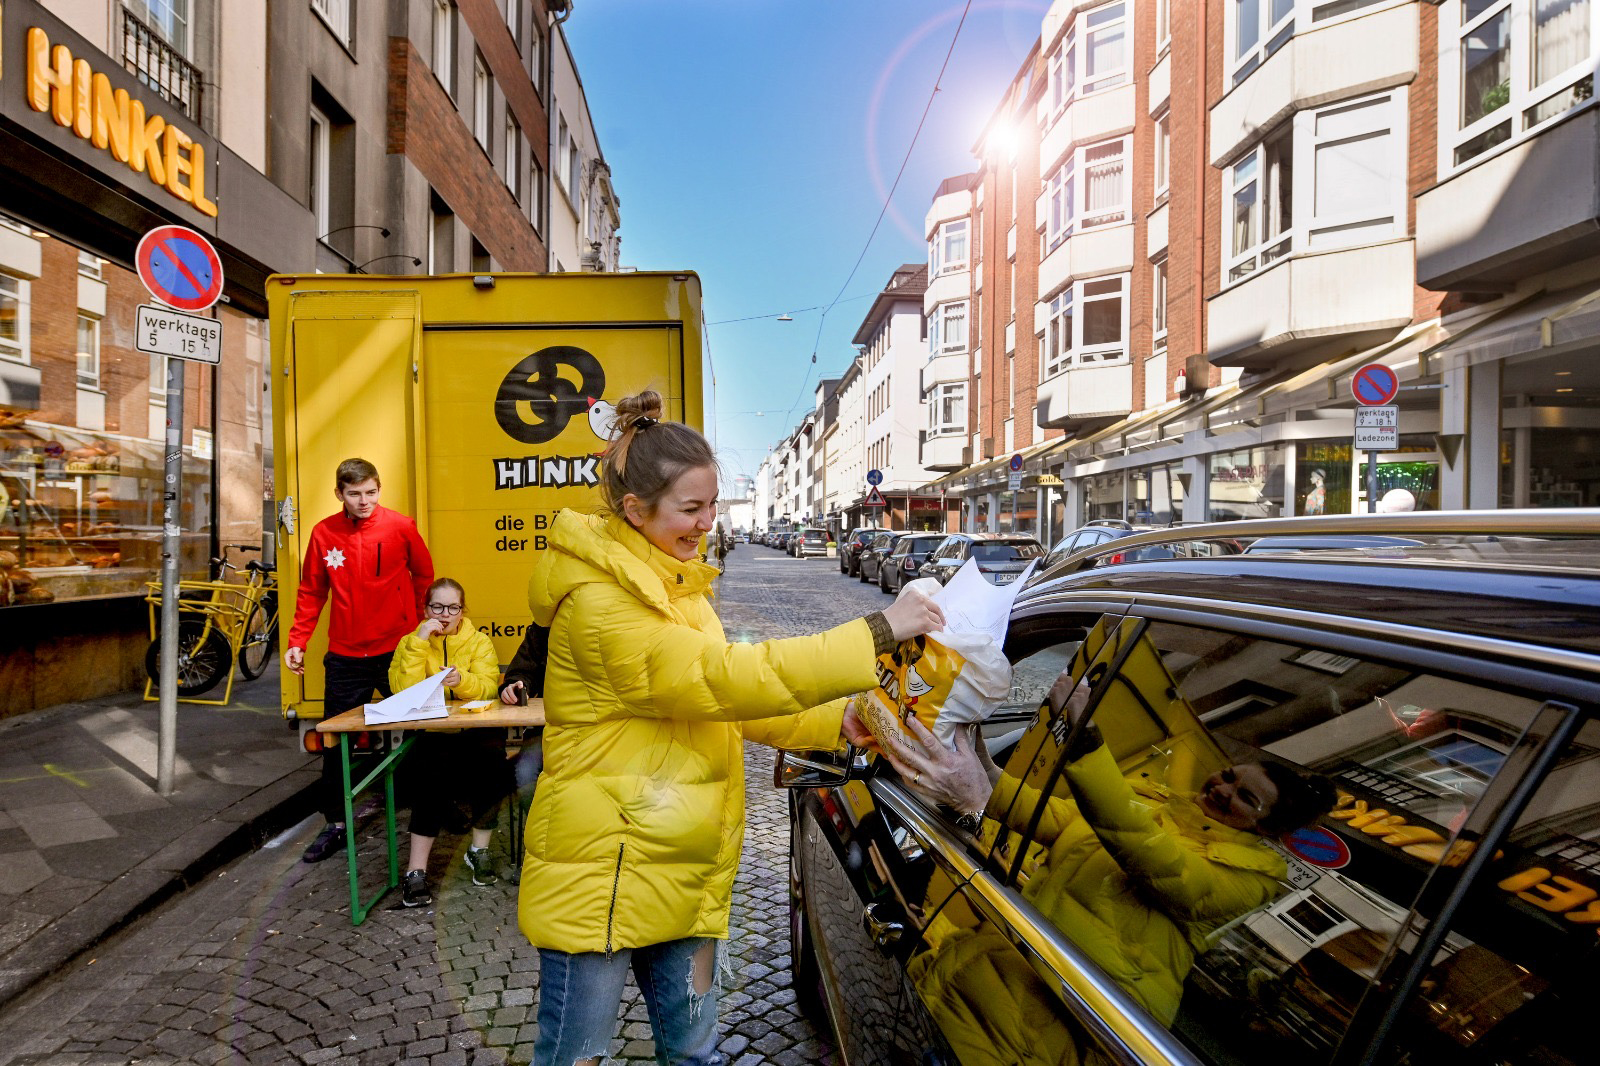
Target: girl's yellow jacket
{"type": "Point", "coordinates": [639, 815]}
{"type": "Point", "coordinates": [468, 650]}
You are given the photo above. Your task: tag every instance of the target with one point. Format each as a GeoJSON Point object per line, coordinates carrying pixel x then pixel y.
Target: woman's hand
{"type": "Point", "coordinates": [511, 695]}
{"type": "Point", "coordinates": [453, 678]}
{"type": "Point", "coordinates": [913, 614]}
{"type": "Point", "coordinates": [952, 777]}
{"type": "Point", "coordinates": [429, 627]}
{"type": "Point", "coordinates": [853, 729]}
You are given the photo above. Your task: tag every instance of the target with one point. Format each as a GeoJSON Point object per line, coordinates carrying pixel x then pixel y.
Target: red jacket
{"type": "Point", "coordinates": [377, 569]}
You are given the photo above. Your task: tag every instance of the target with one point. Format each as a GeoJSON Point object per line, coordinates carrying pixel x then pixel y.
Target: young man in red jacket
{"type": "Point", "coordinates": [374, 563]}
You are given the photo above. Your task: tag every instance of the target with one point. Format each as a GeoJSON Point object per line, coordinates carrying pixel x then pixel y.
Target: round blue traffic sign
{"type": "Point", "coordinates": [1319, 847]}
{"type": "Point", "coordinates": [874, 477]}
{"type": "Point", "coordinates": [179, 267]}
{"type": "Point", "coordinates": [1374, 385]}
{"type": "Point", "coordinates": [1016, 461]}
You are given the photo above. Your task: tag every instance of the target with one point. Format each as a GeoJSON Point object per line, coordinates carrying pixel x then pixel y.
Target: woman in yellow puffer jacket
{"type": "Point", "coordinates": [450, 768]}
{"type": "Point", "coordinates": [639, 814]}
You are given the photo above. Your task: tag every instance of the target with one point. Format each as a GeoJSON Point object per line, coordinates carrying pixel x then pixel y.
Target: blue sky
{"type": "Point", "coordinates": [755, 142]}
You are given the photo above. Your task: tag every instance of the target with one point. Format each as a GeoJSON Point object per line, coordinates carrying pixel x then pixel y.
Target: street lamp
{"type": "Point", "coordinates": [381, 229]}
{"type": "Point", "coordinates": [362, 269]}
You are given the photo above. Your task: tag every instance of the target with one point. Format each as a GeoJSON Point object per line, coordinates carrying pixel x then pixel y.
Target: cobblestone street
{"type": "Point", "coordinates": [261, 964]}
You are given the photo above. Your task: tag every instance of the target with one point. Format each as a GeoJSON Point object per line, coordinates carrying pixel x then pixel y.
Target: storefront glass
{"type": "Point", "coordinates": [1156, 495]}
{"type": "Point", "coordinates": [1247, 483]}
{"type": "Point", "coordinates": [1322, 478]}
{"type": "Point", "coordinates": [82, 424]}
{"type": "Point", "coordinates": [1103, 497]}
{"type": "Point", "coordinates": [1018, 511]}
{"type": "Point", "coordinates": [1560, 467]}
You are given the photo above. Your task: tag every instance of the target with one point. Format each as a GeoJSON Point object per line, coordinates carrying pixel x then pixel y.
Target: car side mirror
{"type": "Point", "coordinates": [819, 769]}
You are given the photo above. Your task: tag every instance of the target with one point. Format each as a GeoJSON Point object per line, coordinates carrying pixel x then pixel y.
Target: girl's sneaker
{"type": "Point", "coordinates": [414, 889]}
{"type": "Point", "coordinates": [482, 867]}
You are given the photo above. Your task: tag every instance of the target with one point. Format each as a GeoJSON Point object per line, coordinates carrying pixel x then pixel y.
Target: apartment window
{"type": "Point", "coordinates": [13, 318]}
{"type": "Point", "coordinates": [535, 192]}
{"type": "Point", "coordinates": [947, 329]}
{"type": "Point", "coordinates": [89, 265]}
{"type": "Point", "coordinates": [482, 97]}
{"type": "Point", "coordinates": [1158, 311]}
{"type": "Point", "coordinates": [1093, 56]}
{"type": "Point", "coordinates": [319, 151]}
{"type": "Point", "coordinates": [1105, 183]}
{"type": "Point", "coordinates": [947, 252]}
{"type": "Point", "coordinates": [335, 14]}
{"type": "Point", "coordinates": [1351, 158]}
{"type": "Point", "coordinates": [88, 351]}
{"type": "Point", "coordinates": [479, 256]}
{"type": "Point", "coordinates": [947, 409]}
{"type": "Point", "coordinates": [441, 237]}
{"type": "Point", "coordinates": [574, 169]}
{"type": "Point", "coordinates": [1163, 24]}
{"type": "Point", "coordinates": [1163, 153]}
{"type": "Point", "coordinates": [444, 43]}
{"type": "Point", "coordinates": [1059, 193]}
{"type": "Point", "coordinates": [169, 18]}
{"type": "Point", "coordinates": [1520, 64]}
{"type": "Point", "coordinates": [1259, 28]}
{"type": "Point", "coordinates": [1087, 324]}
{"type": "Point", "coordinates": [563, 150]}
{"type": "Point", "coordinates": [535, 54]}
{"type": "Point", "coordinates": [513, 151]}
{"type": "Point", "coordinates": [514, 22]}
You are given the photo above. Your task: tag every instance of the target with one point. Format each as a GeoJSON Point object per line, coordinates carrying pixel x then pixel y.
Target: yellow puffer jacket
{"type": "Point", "coordinates": [468, 650]}
{"type": "Point", "coordinates": [1135, 874]}
{"type": "Point", "coordinates": [639, 815]}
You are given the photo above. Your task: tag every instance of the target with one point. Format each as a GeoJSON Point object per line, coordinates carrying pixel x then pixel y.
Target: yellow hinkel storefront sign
{"type": "Point", "coordinates": [113, 121]}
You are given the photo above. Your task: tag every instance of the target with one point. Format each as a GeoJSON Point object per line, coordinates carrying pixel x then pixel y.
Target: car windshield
{"type": "Point", "coordinates": [1006, 553]}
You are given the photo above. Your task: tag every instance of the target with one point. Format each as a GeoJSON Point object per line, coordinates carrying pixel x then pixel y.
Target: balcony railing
{"type": "Point", "coordinates": [158, 65]}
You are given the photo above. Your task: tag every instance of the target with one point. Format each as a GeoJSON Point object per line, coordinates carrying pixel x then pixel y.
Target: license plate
{"type": "Point", "coordinates": [1004, 579]}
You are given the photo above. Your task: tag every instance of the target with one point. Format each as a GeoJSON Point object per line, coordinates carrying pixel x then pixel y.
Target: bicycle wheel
{"type": "Point", "coordinates": [204, 657]}
{"type": "Point", "coordinates": [260, 638]}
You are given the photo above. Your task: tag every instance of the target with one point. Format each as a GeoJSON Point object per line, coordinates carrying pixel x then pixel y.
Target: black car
{"type": "Point", "coordinates": [1001, 557]}
{"type": "Point", "coordinates": [1115, 896]}
{"type": "Point", "coordinates": [906, 559]}
{"type": "Point", "coordinates": [869, 560]}
{"type": "Point", "coordinates": [850, 548]}
{"type": "Point", "coordinates": [1104, 530]}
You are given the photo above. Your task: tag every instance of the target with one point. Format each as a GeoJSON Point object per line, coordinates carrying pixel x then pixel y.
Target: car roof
{"type": "Point", "coordinates": [1520, 577]}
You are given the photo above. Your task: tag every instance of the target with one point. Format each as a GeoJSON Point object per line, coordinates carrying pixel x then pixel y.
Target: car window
{"type": "Point", "coordinates": [923, 544]}
{"type": "Point", "coordinates": [1006, 553]}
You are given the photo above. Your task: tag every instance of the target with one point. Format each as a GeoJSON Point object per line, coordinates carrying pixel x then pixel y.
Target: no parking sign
{"type": "Point", "coordinates": [179, 267]}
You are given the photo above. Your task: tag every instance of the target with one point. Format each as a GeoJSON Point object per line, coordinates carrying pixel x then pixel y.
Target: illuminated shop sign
{"type": "Point", "coordinates": [115, 122]}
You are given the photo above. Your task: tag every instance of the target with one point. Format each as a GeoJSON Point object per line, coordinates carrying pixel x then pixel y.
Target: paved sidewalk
{"type": "Point", "coordinates": [86, 842]}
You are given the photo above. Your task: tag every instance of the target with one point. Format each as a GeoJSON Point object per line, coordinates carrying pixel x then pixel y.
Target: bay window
{"type": "Point", "coordinates": [947, 252]}
{"type": "Point", "coordinates": [1255, 29]}
{"type": "Point", "coordinates": [1518, 64]}
{"type": "Point", "coordinates": [1351, 160]}
{"type": "Point", "coordinates": [947, 329]}
{"type": "Point", "coordinates": [1101, 198]}
{"type": "Point", "coordinates": [947, 409]}
{"type": "Point", "coordinates": [1087, 324]}
{"type": "Point", "coordinates": [1101, 62]}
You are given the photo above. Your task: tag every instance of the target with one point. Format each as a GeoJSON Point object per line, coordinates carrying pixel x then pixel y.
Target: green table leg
{"type": "Point", "coordinates": [385, 767]}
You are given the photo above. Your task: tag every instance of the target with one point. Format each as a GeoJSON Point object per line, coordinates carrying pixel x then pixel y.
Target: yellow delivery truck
{"type": "Point", "coordinates": [483, 400]}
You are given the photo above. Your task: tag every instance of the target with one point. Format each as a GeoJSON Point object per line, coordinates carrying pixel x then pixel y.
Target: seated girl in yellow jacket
{"type": "Point", "coordinates": [456, 767]}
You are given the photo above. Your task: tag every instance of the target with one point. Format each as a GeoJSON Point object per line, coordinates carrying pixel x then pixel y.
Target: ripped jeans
{"type": "Point", "coordinates": [580, 1001]}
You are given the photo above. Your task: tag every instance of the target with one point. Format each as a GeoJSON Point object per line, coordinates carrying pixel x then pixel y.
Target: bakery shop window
{"type": "Point", "coordinates": [81, 437]}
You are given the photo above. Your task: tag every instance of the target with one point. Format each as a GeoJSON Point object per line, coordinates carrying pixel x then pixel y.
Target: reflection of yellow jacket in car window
{"type": "Point", "coordinates": [1134, 874]}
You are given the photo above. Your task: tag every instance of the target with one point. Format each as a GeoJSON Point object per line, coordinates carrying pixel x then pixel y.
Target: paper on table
{"type": "Point", "coordinates": [477, 705]}
{"type": "Point", "coordinates": [418, 703]}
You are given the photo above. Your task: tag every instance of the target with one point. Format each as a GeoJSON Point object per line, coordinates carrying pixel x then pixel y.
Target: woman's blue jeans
{"type": "Point", "coordinates": [580, 1002]}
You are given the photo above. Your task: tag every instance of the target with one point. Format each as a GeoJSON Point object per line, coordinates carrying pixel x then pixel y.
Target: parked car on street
{"type": "Point", "coordinates": [1123, 886]}
{"type": "Point", "coordinates": [1002, 557]}
{"type": "Point", "coordinates": [850, 548]}
{"type": "Point", "coordinates": [906, 559]}
{"type": "Point", "coordinates": [810, 542]}
{"type": "Point", "coordinates": [1104, 530]}
{"type": "Point", "coordinates": [869, 559]}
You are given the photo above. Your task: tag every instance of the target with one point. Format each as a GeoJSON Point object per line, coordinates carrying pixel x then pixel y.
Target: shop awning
{"type": "Point", "coordinates": [1541, 321]}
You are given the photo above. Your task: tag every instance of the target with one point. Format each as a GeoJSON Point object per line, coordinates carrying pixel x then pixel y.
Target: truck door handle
{"type": "Point", "coordinates": [884, 930]}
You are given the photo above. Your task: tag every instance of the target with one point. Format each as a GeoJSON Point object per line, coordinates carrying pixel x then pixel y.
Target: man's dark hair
{"type": "Point", "coordinates": [354, 472]}
{"type": "Point", "coordinates": [1303, 797]}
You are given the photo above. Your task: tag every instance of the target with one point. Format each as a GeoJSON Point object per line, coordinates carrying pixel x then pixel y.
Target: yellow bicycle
{"type": "Point", "coordinates": [220, 622]}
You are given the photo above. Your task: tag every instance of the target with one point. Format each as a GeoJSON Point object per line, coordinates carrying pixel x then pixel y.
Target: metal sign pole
{"type": "Point", "coordinates": [171, 546]}
{"type": "Point", "coordinates": [1372, 482]}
